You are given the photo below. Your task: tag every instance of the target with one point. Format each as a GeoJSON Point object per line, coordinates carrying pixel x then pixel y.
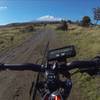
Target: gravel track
{"type": "Point", "coordinates": [15, 85]}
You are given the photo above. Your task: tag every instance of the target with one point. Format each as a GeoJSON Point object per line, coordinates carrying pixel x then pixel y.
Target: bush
{"type": "Point", "coordinates": [86, 21]}
{"type": "Point", "coordinates": [63, 26]}
{"type": "Point", "coordinates": [1, 42]}
{"type": "Point", "coordinates": [12, 38]}
{"type": "Point", "coordinates": [70, 22]}
{"type": "Point", "coordinates": [29, 28]}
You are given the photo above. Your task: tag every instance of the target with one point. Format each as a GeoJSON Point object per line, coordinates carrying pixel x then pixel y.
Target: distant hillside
{"type": "Point", "coordinates": [30, 23]}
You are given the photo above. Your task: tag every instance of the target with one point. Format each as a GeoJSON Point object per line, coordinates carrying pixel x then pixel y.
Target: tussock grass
{"type": "Point", "coordinates": [87, 43]}
{"type": "Point", "coordinates": [12, 36]}
{"type": "Point", "coordinates": [86, 40]}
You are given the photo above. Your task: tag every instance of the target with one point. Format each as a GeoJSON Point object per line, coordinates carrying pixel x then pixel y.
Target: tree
{"type": "Point", "coordinates": [86, 21]}
{"type": "Point", "coordinates": [96, 12]}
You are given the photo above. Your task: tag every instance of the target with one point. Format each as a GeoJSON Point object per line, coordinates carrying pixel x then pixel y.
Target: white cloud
{"type": "Point", "coordinates": [3, 7]}
{"type": "Point", "coordinates": [49, 18]}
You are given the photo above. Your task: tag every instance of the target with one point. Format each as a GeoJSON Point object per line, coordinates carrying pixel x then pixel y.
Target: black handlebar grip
{"type": "Point", "coordinates": [91, 64]}
{"type": "Point", "coordinates": [2, 67]}
{"type": "Point", "coordinates": [21, 67]}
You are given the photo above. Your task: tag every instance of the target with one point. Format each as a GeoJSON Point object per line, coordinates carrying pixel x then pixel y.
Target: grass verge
{"type": "Point", "coordinates": [87, 43]}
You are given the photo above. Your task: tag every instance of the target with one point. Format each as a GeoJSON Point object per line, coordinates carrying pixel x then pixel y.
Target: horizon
{"type": "Point", "coordinates": [31, 10]}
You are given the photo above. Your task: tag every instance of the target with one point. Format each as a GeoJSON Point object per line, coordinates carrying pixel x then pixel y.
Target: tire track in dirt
{"type": "Point", "coordinates": [16, 85]}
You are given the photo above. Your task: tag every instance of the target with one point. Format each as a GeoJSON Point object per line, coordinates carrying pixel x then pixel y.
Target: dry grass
{"type": "Point", "coordinates": [12, 36]}
{"type": "Point", "coordinates": [87, 43]}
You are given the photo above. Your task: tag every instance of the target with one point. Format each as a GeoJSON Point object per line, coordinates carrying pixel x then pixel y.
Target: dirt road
{"type": "Point", "coordinates": [15, 85]}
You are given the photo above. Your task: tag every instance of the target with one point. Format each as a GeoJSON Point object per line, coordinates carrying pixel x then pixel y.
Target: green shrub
{"type": "Point", "coordinates": [1, 42]}
{"type": "Point", "coordinates": [86, 21]}
{"type": "Point", "coordinates": [29, 28]}
{"type": "Point", "coordinates": [12, 38]}
{"type": "Point", "coordinates": [63, 26]}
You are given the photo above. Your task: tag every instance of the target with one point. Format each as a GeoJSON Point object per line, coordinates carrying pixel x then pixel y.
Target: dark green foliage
{"type": "Point", "coordinates": [1, 42]}
{"type": "Point", "coordinates": [29, 28]}
{"type": "Point", "coordinates": [12, 39]}
{"type": "Point", "coordinates": [63, 26]}
{"type": "Point", "coordinates": [86, 21]}
{"type": "Point", "coordinates": [69, 21]}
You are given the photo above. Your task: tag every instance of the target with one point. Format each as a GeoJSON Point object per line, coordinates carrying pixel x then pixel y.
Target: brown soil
{"type": "Point", "coordinates": [15, 85]}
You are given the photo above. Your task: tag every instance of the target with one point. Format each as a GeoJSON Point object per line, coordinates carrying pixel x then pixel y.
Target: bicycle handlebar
{"type": "Point", "coordinates": [91, 67]}
{"type": "Point", "coordinates": [84, 64]}
{"type": "Point", "coordinates": [90, 64]}
{"type": "Point", "coordinates": [20, 67]}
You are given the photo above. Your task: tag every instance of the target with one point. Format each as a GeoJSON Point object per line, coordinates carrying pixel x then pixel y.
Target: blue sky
{"type": "Point", "coordinates": [29, 10]}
